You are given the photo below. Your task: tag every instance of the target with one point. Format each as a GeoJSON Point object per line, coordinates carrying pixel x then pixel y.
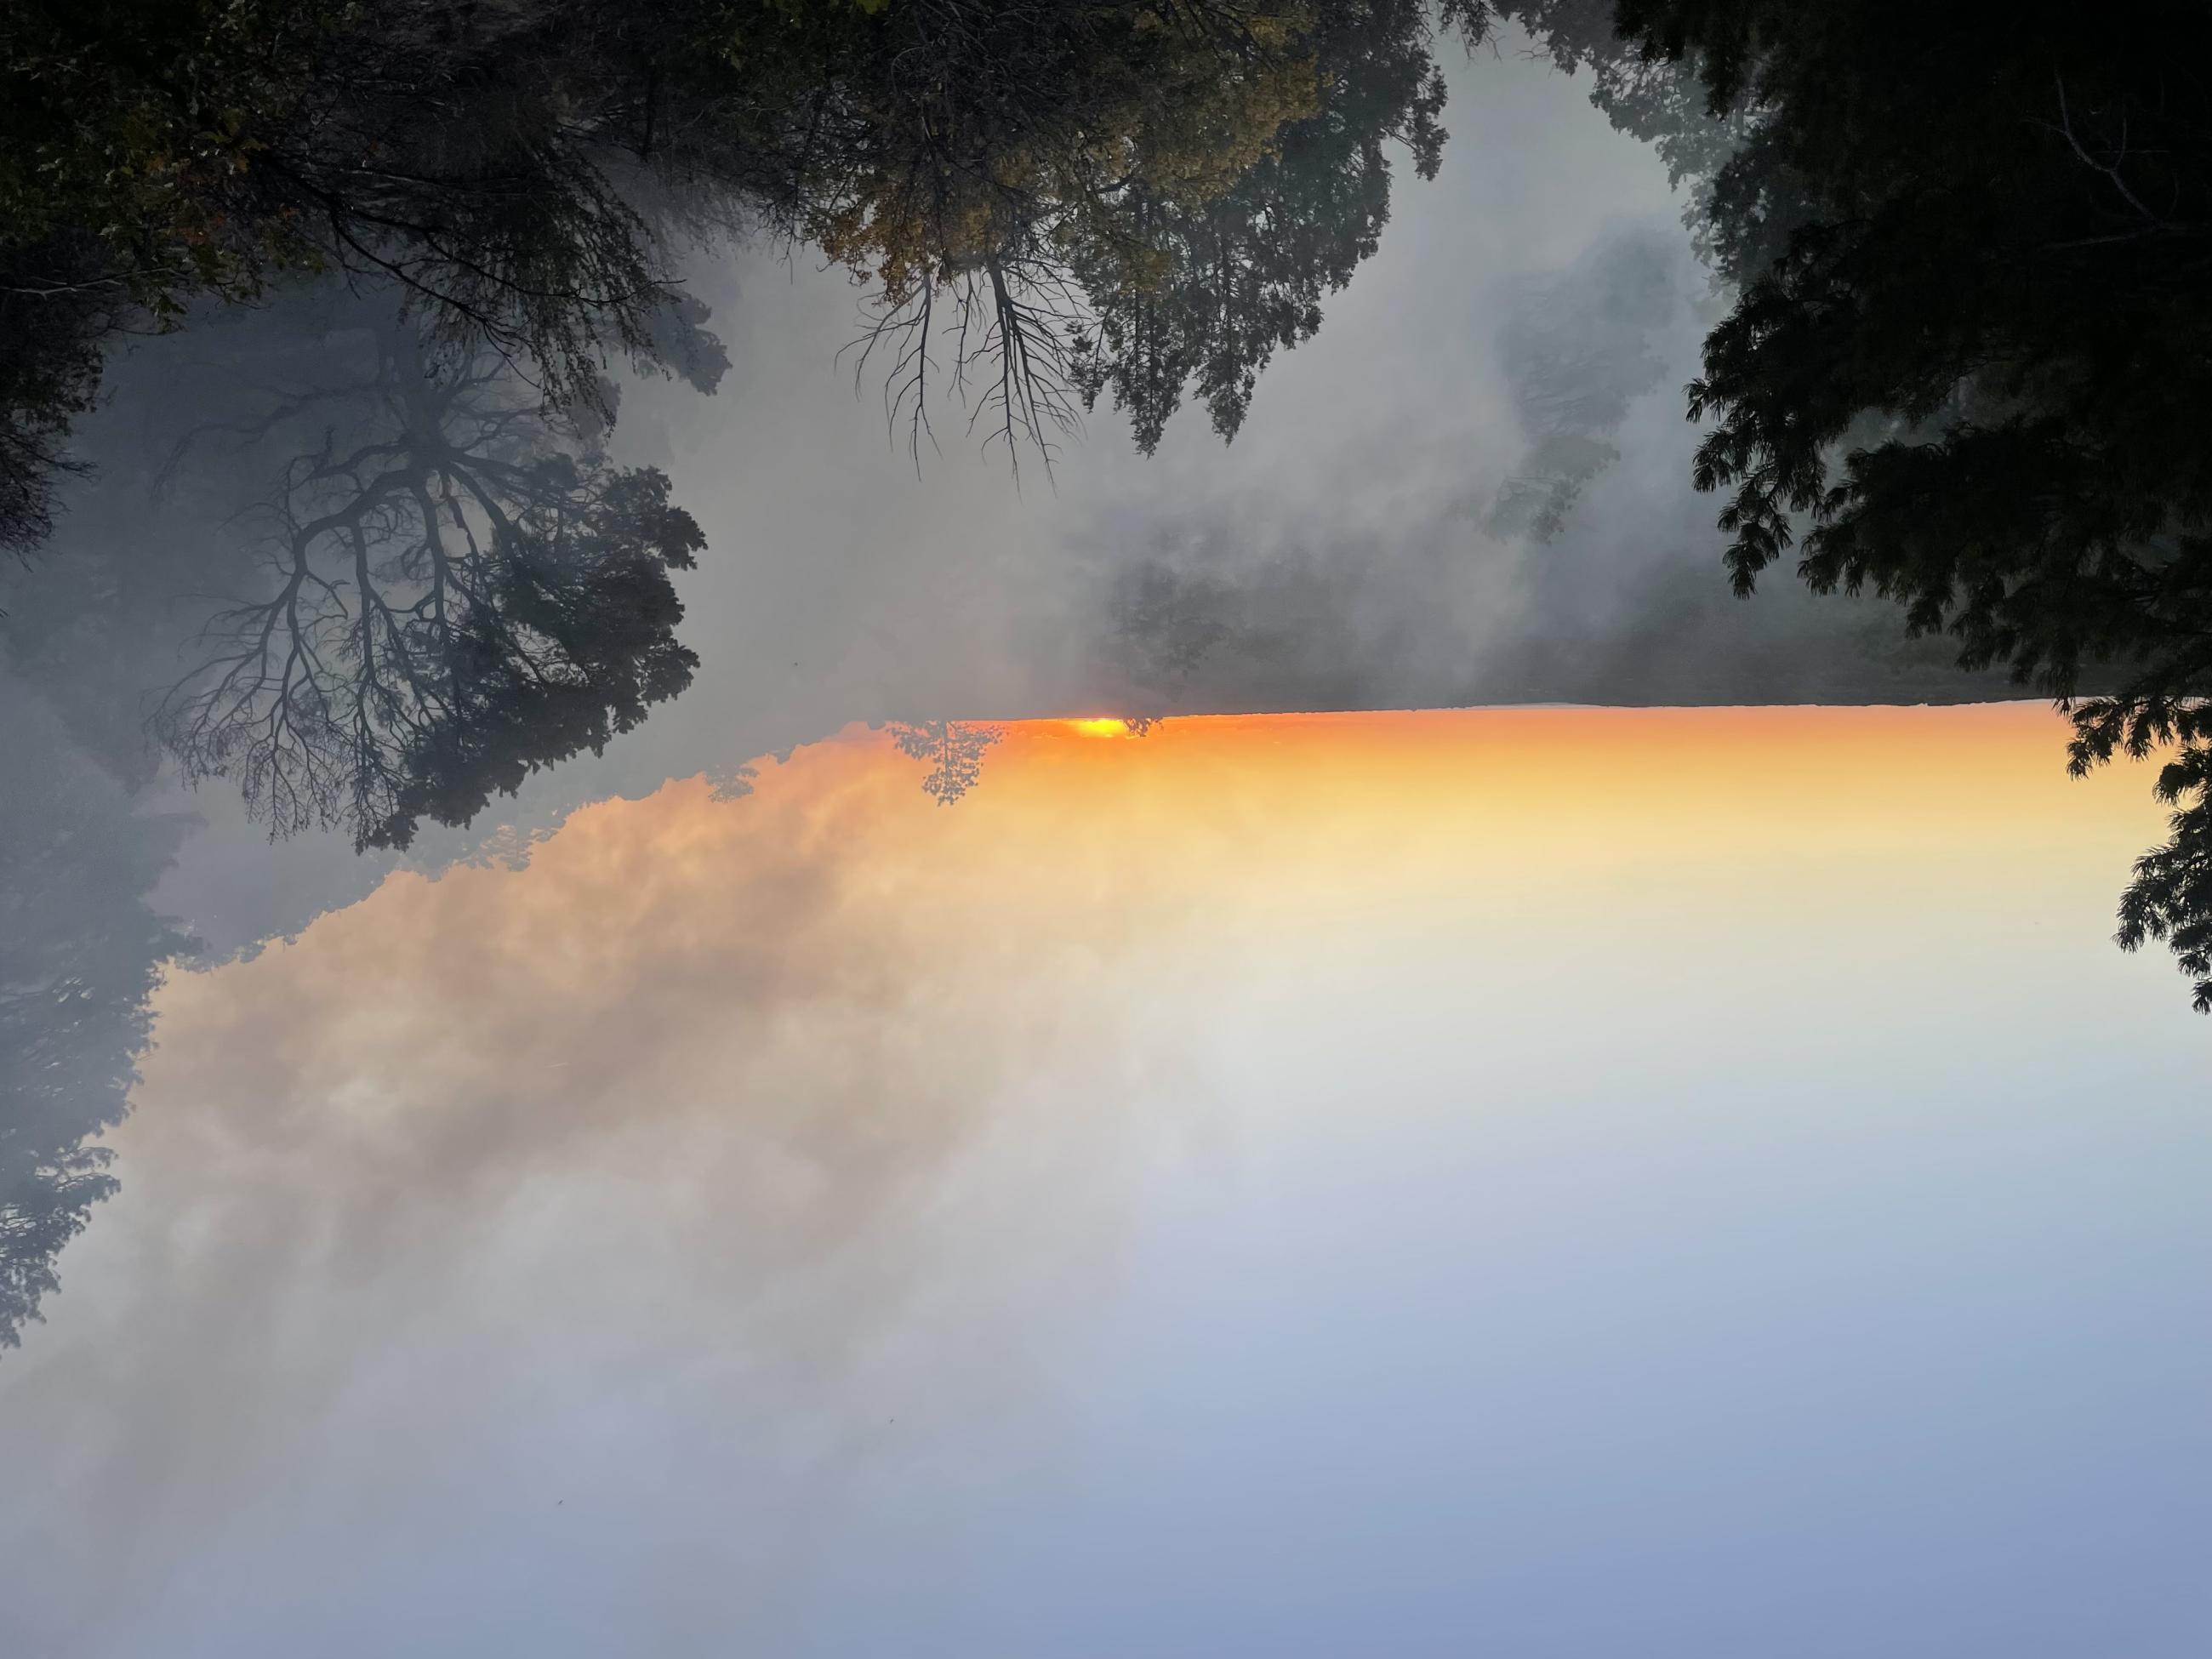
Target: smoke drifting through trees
{"type": "Point", "coordinates": [1961, 372]}
{"type": "Point", "coordinates": [457, 601]}
{"type": "Point", "coordinates": [1045, 205]}
{"type": "Point", "coordinates": [80, 952]}
{"type": "Point", "coordinates": [1067, 193]}
{"type": "Point", "coordinates": [1968, 368]}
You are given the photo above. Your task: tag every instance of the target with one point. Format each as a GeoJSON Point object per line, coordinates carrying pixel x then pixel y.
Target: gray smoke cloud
{"type": "Point", "coordinates": [1472, 486]}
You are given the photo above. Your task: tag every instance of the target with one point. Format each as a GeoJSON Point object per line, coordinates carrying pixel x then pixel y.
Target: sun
{"type": "Point", "coordinates": [1100, 726]}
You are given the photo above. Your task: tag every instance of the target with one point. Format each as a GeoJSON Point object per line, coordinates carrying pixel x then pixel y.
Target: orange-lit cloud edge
{"type": "Point", "coordinates": [837, 928]}
{"type": "Point", "coordinates": [1991, 770]}
{"type": "Point", "coordinates": [1067, 838]}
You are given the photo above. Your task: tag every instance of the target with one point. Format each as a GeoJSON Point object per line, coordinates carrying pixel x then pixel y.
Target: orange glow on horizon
{"type": "Point", "coordinates": [1518, 816]}
{"type": "Point", "coordinates": [1339, 802]}
{"type": "Point", "coordinates": [1842, 843]}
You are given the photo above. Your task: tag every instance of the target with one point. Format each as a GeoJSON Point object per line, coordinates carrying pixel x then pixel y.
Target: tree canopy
{"type": "Point", "coordinates": [1058, 196]}
{"type": "Point", "coordinates": [1047, 203]}
{"type": "Point", "coordinates": [954, 750]}
{"type": "Point", "coordinates": [1969, 355]}
{"type": "Point", "coordinates": [80, 952]}
{"type": "Point", "coordinates": [458, 590]}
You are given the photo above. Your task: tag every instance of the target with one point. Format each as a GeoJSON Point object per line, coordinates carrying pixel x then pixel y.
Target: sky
{"type": "Point", "coordinates": [1334, 556]}
{"type": "Point", "coordinates": [1556, 1181]}
{"type": "Point", "coordinates": [1297, 1184]}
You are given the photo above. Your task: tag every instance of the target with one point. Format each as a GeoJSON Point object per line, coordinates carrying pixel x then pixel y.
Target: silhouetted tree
{"type": "Point", "coordinates": [2171, 897]}
{"type": "Point", "coordinates": [1657, 100]}
{"type": "Point", "coordinates": [1053, 202]}
{"type": "Point", "coordinates": [483, 162]}
{"type": "Point", "coordinates": [1046, 198]}
{"type": "Point", "coordinates": [1200, 291]}
{"type": "Point", "coordinates": [55, 310]}
{"type": "Point", "coordinates": [44, 1204]}
{"type": "Point", "coordinates": [1969, 362]}
{"type": "Point", "coordinates": [80, 954]}
{"type": "Point", "coordinates": [1578, 350]}
{"type": "Point", "coordinates": [954, 750]}
{"type": "Point", "coordinates": [461, 592]}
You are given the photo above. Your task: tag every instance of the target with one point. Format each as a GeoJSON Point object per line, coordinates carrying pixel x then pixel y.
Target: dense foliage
{"type": "Point", "coordinates": [1048, 202]}
{"type": "Point", "coordinates": [458, 592]}
{"type": "Point", "coordinates": [1060, 196]}
{"type": "Point", "coordinates": [1970, 356]}
{"type": "Point", "coordinates": [80, 954]}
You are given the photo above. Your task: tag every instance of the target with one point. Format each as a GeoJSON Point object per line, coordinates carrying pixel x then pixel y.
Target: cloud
{"type": "Point", "coordinates": [730, 1097]}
